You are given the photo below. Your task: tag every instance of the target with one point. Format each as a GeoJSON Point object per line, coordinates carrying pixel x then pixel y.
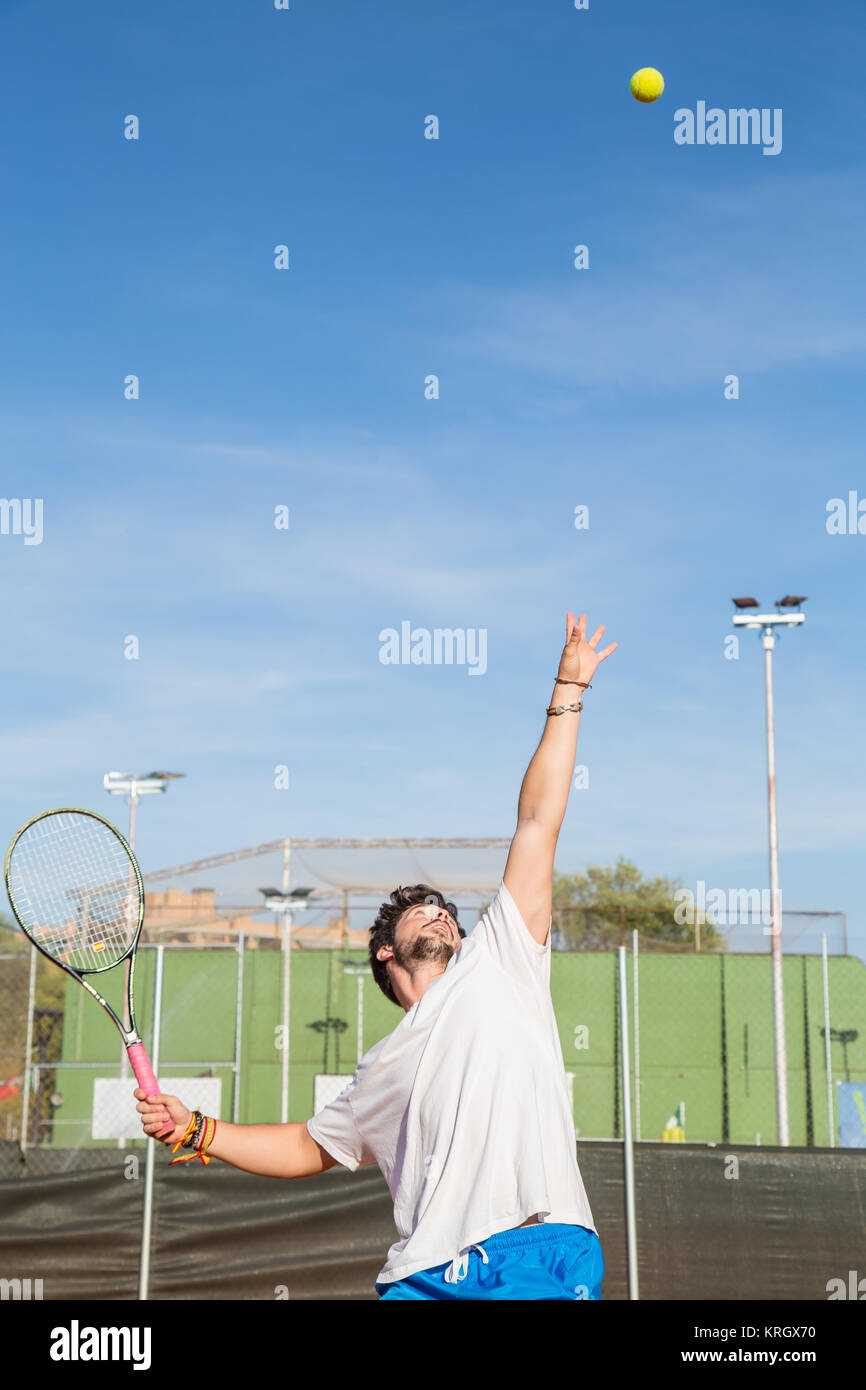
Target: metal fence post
{"type": "Point", "coordinates": [147, 1206]}
{"type": "Point", "coordinates": [634, 939]}
{"type": "Point", "coordinates": [28, 1055]}
{"type": "Point", "coordinates": [239, 1024]}
{"type": "Point", "coordinates": [287, 977]}
{"type": "Point", "coordinates": [827, 1057]}
{"type": "Point", "coordinates": [627, 1143]}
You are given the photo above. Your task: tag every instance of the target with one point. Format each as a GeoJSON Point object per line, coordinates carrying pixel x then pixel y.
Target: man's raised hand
{"type": "Point", "coordinates": [580, 660]}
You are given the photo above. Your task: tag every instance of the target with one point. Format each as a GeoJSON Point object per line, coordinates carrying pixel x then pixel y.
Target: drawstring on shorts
{"type": "Point", "coordinates": [459, 1266]}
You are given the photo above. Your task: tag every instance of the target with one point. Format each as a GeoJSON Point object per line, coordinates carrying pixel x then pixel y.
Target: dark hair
{"type": "Point", "coordinates": [382, 930]}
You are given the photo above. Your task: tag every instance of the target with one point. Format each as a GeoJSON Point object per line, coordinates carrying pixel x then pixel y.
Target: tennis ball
{"type": "Point", "coordinates": [647, 84]}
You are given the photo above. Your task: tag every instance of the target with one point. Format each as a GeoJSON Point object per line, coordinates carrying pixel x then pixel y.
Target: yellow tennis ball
{"type": "Point", "coordinates": [647, 84]}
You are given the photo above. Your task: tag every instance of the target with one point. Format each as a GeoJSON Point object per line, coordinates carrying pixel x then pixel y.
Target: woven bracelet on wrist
{"type": "Point", "coordinates": [183, 1140]}
{"type": "Point", "coordinates": [207, 1140]}
{"type": "Point", "coordinates": [197, 1153]}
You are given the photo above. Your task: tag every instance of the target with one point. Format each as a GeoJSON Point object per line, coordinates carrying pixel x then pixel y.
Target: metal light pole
{"type": "Point", "coordinates": [767, 623]}
{"type": "Point", "coordinates": [133, 785]}
{"type": "Point", "coordinates": [782, 1119]}
{"type": "Point", "coordinates": [282, 902]}
{"type": "Point", "coordinates": [352, 967]}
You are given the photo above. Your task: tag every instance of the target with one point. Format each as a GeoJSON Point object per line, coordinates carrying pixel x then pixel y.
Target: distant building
{"type": "Point", "coordinates": [195, 919]}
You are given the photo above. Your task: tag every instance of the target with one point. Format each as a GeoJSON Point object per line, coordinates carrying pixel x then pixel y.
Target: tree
{"type": "Point", "coordinates": [599, 909]}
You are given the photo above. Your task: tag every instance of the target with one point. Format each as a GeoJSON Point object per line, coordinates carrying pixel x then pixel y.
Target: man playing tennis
{"type": "Point", "coordinates": [464, 1106]}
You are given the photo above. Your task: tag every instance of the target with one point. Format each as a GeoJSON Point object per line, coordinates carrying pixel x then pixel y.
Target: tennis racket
{"type": "Point", "coordinates": [77, 893]}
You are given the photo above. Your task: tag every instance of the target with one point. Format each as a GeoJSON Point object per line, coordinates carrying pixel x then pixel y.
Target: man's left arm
{"type": "Point", "coordinates": [544, 794]}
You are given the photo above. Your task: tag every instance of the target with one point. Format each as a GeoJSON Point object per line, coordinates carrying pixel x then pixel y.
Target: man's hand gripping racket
{"type": "Point", "coordinates": [158, 1111]}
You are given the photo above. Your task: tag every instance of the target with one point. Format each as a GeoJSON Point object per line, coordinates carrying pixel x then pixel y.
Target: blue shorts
{"type": "Point", "coordinates": [532, 1262]}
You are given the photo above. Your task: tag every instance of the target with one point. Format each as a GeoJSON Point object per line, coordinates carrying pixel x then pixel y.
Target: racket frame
{"type": "Point", "coordinates": [130, 1035]}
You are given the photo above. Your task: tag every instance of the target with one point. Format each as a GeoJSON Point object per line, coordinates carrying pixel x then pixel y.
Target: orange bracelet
{"type": "Point", "coordinates": [208, 1131]}
{"type": "Point", "coordinates": [183, 1138]}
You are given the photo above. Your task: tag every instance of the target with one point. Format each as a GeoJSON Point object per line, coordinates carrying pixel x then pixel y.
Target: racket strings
{"type": "Point", "coordinates": [75, 889]}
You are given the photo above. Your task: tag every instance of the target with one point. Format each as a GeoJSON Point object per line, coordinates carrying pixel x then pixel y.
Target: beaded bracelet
{"type": "Point", "coordinates": [190, 1141]}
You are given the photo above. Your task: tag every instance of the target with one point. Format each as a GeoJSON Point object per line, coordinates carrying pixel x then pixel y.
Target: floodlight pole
{"type": "Point", "coordinates": [782, 1122]}
{"type": "Point", "coordinates": [767, 623]}
{"type": "Point", "coordinates": [281, 902]}
{"type": "Point", "coordinates": [134, 785]}
{"type": "Point", "coordinates": [350, 967]}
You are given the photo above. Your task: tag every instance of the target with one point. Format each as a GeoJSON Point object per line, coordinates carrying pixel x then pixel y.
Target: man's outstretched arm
{"type": "Point", "coordinates": [272, 1151]}
{"type": "Point", "coordinates": [544, 793]}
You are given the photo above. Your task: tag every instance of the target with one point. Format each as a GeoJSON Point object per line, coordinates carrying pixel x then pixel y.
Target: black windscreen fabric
{"type": "Point", "coordinates": [224, 1234]}
{"type": "Point", "coordinates": [790, 1221]}
{"type": "Point", "coordinates": [79, 1232]}
{"type": "Point", "coordinates": [717, 1224]}
{"type": "Point", "coordinates": [730, 1223]}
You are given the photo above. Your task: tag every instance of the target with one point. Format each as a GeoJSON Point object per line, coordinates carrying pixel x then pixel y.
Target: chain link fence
{"type": "Point", "coordinates": [32, 992]}
{"type": "Point", "coordinates": [702, 1037]}
{"type": "Point", "coordinates": [702, 1027]}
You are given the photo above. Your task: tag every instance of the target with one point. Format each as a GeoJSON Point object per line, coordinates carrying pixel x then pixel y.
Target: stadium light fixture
{"type": "Point", "coordinates": [135, 785]}
{"type": "Point", "coordinates": [767, 623]}
{"type": "Point", "coordinates": [277, 901]}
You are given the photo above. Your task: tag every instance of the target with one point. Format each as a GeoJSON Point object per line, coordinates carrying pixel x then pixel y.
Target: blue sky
{"type": "Point", "coordinates": [558, 387]}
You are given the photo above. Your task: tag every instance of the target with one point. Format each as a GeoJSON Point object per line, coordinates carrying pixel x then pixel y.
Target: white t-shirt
{"type": "Point", "coordinates": [465, 1106]}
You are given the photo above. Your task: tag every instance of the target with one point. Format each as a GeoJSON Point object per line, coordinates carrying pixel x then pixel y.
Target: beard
{"type": "Point", "coordinates": [423, 950]}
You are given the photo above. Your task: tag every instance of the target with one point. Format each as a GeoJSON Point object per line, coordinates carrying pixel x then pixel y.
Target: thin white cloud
{"type": "Point", "coordinates": [679, 316]}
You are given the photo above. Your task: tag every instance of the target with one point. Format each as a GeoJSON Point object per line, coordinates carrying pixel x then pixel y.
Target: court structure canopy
{"type": "Point", "coordinates": [339, 882]}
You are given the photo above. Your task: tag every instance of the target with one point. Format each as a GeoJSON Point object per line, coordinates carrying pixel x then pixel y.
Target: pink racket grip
{"type": "Point", "coordinates": [144, 1075]}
